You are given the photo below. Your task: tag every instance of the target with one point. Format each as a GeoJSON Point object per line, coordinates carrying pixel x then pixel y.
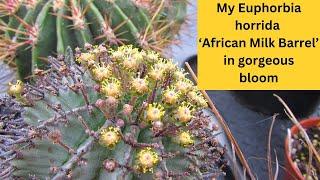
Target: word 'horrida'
{"type": "Point", "coordinates": [259, 8]}
{"type": "Point", "coordinates": [269, 25]}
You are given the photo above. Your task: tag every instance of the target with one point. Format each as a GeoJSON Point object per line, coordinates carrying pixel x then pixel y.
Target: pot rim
{"type": "Point", "coordinates": [306, 123]}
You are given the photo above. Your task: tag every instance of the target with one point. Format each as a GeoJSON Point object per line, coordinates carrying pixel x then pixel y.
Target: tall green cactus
{"type": "Point", "coordinates": [121, 113]}
{"type": "Point", "coordinates": [34, 29]}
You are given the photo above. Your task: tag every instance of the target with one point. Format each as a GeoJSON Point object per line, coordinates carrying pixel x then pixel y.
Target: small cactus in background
{"type": "Point", "coordinates": [108, 114]}
{"type": "Point", "coordinates": [34, 29]}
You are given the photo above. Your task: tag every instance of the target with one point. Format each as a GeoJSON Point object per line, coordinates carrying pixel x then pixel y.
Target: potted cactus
{"type": "Point", "coordinates": [122, 113]}
{"type": "Point", "coordinates": [297, 151]}
{"type": "Point", "coordinates": [31, 30]}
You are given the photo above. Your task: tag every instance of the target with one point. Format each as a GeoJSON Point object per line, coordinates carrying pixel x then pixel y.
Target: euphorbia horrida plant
{"type": "Point", "coordinates": [34, 29]}
{"type": "Point", "coordinates": [112, 114]}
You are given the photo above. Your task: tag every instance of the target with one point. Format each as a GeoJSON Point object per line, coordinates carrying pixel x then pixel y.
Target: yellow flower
{"type": "Point", "coordinates": [116, 55]}
{"type": "Point", "coordinates": [147, 158]}
{"type": "Point", "coordinates": [154, 112]}
{"type": "Point", "coordinates": [128, 56]}
{"type": "Point", "coordinates": [109, 137]}
{"type": "Point", "coordinates": [185, 139]}
{"type": "Point", "coordinates": [15, 89]}
{"type": "Point", "coordinates": [170, 96]}
{"type": "Point", "coordinates": [196, 97]}
{"type": "Point", "coordinates": [184, 85]}
{"type": "Point", "coordinates": [179, 74]}
{"type": "Point", "coordinates": [130, 63]}
{"type": "Point", "coordinates": [140, 85]}
{"type": "Point", "coordinates": [168, 65]}
{"type": "Point", "coordinates": [152, 56]}
{"type": "Point", "coordinates": [184, 112]}
{"type": "Point", "coordinates": [86, 59]}
{"type": "Point", "coordinates": [111, 87]}
{"type": "Point", "coordinates": [101, 73]}
{"type": "Point", "coordinates": [157, 72]}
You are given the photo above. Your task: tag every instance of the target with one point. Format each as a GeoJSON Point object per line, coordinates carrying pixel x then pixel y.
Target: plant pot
{"type": "Point", "coordinates": [292, 171]}
{"type": "Point", "coordinates": [302, 103]}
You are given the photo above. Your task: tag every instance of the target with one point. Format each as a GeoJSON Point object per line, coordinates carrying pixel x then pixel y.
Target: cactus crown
{"type": "Point", "coordinates": [105, 115]}
{"type": "Point", "coordinates": [34, 29]}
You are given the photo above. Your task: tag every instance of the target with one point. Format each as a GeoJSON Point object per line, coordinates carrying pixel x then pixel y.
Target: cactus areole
{"type": "Point", "coordinates": [91, 124]}
{"type": "Point", "coordinates": [31, 30]}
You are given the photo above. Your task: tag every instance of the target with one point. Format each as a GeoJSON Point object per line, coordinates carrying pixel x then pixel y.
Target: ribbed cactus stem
{"type": "Point", "coordinates": [42, 27]}
{"type": "Point", "coordinates": [115, 113]}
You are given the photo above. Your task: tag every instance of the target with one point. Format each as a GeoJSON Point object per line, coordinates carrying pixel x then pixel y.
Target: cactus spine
{"type": "Point", "coordinates": [34, 29]}
{"type": "Point", "coordinates": [121, 113]}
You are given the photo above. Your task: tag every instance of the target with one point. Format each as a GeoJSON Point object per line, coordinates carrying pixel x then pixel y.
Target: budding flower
{"type": "Point", "coordinates": [185, 139]}
{"type": "Point", "coordinates": [157, 126]}
{"type": "Point", "coordinates": [101, 104]}
{"type": "Point", "coordinates": [170, 96]}
{"type": "Point", "coordinates": [147, 158]}
{"type": "Point", "coordinates": [101, 73]}
{"type": "Point", "coordinates": [140, 85]}
{"type": "Point", "coordinates": [111, 102]}
{"type": "Point", "coordinates": [109, 137]}
{"type": "Point", "coordinates": [127, 109]}
{"type": "Point", "coordinates": [120, 123]}
{"type": "Point", "coordinates": [184, 113]}
{"type": "Point", "coordinates": [110, 165]}
{"type": "Point", "coordinates": [111, 87]}
{"type": "Point", "coordinates": [16, 89]}
{"type": "Point", "coordinates": [154, 112]}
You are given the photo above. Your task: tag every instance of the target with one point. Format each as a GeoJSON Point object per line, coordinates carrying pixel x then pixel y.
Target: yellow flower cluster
{"type": "Point", "coordinates": [134, 72]}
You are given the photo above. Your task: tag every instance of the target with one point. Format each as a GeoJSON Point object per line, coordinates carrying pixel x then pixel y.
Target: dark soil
{"type": "Point", "coordinates": [300, 152]}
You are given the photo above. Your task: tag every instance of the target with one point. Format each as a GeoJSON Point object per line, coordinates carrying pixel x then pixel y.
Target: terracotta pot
{"type": "Point", "coordinates": [292, 171]}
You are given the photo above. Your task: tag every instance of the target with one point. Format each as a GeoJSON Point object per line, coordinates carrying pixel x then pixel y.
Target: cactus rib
{"type": "Point", "coordinates": [43, 27]}
{"type": "Point", "coordinates": [115, 113]}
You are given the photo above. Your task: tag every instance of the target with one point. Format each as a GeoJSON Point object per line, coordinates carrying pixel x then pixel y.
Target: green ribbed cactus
{"type": "Point", "coordinates": [121, 113]}
{"type": "Point", "coordinates": [35, 29]}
